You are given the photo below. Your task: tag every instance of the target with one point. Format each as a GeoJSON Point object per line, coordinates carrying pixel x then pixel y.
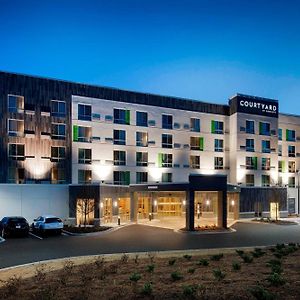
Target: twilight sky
{"type": "Point", "coordinates": [201, 49]}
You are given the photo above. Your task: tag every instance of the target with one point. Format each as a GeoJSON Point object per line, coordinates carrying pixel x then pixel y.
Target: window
{"type": "Point", "coordinates": [167, 121]}
{"type": "Point", "coordinates": [58, 131]}
{"type": "Point", "coordinates": [281, 166]}
{"type": "Point", "coordinates": [16, 175]}
{"type": "Point", "coordinates": [141, 119]}
{"type": "Point", "coordinates": [250, 127]}
{"type": "Point", "coordinates": [217, 127]}
{"type": "Point", "coordinates": [166, 141]}
{"type": "Point", "coordinates": [58, 108]}
{"type": "Point", "coordinates": [250, 145]}
{"type": "Point", "coordinates": [251, 163]}
{"type": "Point", "coordinates": [292, 167]}
{"type": "Point", "coordinates": [279, 150]}
{"type": "Point", "coordinates": [250, 180]}
{"type": "Point", "coordinates": [290, 135]}
{"type": "Point", "coordinates": [291, 182]}
{"type": "Point", "coordinates": [122, 177]}
{"type": "Point", "coordinates": [166, 177]}
{"type": "Point", "coordinates": [264, 128]}
{"type": "Point", "coordinates": [15, 103]}
{"type": "Point", "coordinates": [197, 143]}
{"type": "Point", "coordinates": [15, 127]}
{"type": "Point", "coordinates": [265, 163]}
{"type": "Point", "coordinates": [265, 180]}
{"type": "Point", "coordinates": [119, 137]}
{"type": "Point", "coordinates": [16, 151]}
{"type": "Point", "coordinates": [195, 124]}
{"type": "Point", "coordinates": [219, 163]}
{"type": "Point", "coordinates": [279, 134]}
{"type": "Point", "coordinates": [195, 162]}
{"type": "Point", "coordinates": [82, 134]}
{"type": "Point", "coordinates": [142, 159]}
{"type": "Point", "coordinates": [219, 145]}
{"type": "Point", "coordinates": [84, 156]}
{"type": "Point", "coordinates": [58, 153]}
{"type": "Point", "coordinates": [141, 177]}
{"type": "Point", "coordinates": [291, 151]}
{"type": "Point", "coordinates": [265, 146]}
{"type": "Point", "coordinates": [84, 176]}
{"type": "Point", "coordinates": [142, 139]}
{"type": "Point", "coordinates": [84, 112]}
{"type": "Point", "coordinates": [121, 116]}
{"type": "Point", "coordinates": [119, 158]}
{"type": "Point", "coordinates": [165, 160]}
{"type": "Point", "coordinates": [58, 175]}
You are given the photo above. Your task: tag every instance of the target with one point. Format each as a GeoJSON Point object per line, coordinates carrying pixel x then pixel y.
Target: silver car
{"type": "Point", "coordinates": [47, 223]}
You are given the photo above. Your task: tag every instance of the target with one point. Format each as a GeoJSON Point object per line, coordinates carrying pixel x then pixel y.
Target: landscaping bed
{"type": "Point", "coordinates": [272, 221]}
{"type": "Point", "coordinates": [271, 273]}
{"type": "Point", "coordinates": [87, 229]}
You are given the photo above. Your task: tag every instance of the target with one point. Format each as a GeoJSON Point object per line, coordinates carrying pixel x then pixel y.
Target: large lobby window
{"type": "Point", "coordinates": [166, 177]}
{"type": "Point", "coordinates": [121, 116]}
{"type": "Point", "coordinates": [292, 167]}
{"type": "Point", "coordinates": [58, 175]}
{"type": "Point", "coordinates": [265, 163]}
{"type": "Point", "coordinates": [141, 119]}
{"type": "Point", "coordinates": [15, 103]}
{"type": "Point", "coordinates": [265, 146]}
{"type": "Point", "coordinates": [141, 177]}
{"type": "Point", "coordinates": [250, 127]}
{"type": "Point", "coordinates": [195, 124]}
{"type": "Point", "coordinates": [119, 137]}
{"type": "Point", "coordinates": [122, 177]}
{"type": "Point", "coordinates": [197, 143]}
{"type": "Point", "coordinates": [84, 156]}
{"type": "Point", "coordinates": [264, 128]}
{"type": "Point", "coordinates": [58, 131]}
{"type": "Point", "coordinates": [195, 161]}
{"type": "Point", "coordinates": [219, 145]}
{"type": "Point", "coordinates": [58, 153]}
{"type": "Point", "coordinates": [84, 176]}
{"type": "Point", "coordinates": [217, 127]}
{"type": "Point", "coordinates": [291, 182]}
{"type": "Point", "coordinates": [249, 179]}
{"type": "Point", "coordinates": [84, 112]}
{"type": "Point", "coordinates": [58, 108]}
{"type": "Point", "coordinates": [165, 160]}
{"type": "Point", "coordinates": [16, 151]}
{"type": "Point", "coordinates": [142, 159]}
{"type": "Point", "coordinates": [142, 139]}
{"type": "Point", "coordinates": [15, 127]}
{"type": "Point", "coordinates": [119, 158]}
{"type": "Point", "coordinates": [265, 180]}
{"type": "Point", "coordinates": [250, 145]}
{"type": "Point", "coordinates": [166, 141]}
{"type": "Point", "coordinates": [167, 121]}
{"type": "Point", "coordinates": [290, 135]}
{"type": "Point", "coordinates": [219, 163]}
{"type": "Point", "coordinates": [291, 151]}
{"type": "Point", "coordinates": [251, 163]}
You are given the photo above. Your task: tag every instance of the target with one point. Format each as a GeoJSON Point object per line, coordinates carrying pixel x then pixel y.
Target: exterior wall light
{"type": "Point", "coordinates": [207, 202]}
{"type": "Point", "coordinates": [184, 202]}
{"type": "Point", "coordinates": [232, 202]}
{"type": "Point", "coordinates": [115, 203]}
{"type": "Point", "coordinates": [155, 202]}
{"type": "Point", "coordinates": [101, 204]}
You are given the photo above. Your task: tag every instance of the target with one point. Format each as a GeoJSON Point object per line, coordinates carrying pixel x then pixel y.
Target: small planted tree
{"type": "Point", "coordinates": [85, 207]}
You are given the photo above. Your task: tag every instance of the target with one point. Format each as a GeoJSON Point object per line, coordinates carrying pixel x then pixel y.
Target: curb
{"type": "Point", "coordinates": [229, 230]}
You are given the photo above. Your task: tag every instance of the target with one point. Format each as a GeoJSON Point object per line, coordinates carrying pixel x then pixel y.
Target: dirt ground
{"type": "Point", "coordinates": [151, 276]}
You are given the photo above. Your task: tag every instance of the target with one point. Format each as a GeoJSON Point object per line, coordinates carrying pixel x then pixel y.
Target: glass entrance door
{"type": "Point", "coordinates": [143, 207]}
{"type": "Point", "coordinates": [107, 210]}
{"type": "Point", "coordinates": [169, 206]}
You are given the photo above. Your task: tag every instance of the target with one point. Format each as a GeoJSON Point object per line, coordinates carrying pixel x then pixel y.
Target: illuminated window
{"type": "Point", "coordinates": [197, 143]}
{"type": "Point", "coordinates": [142, 139]}
{"type": "Point", "coordinates": [292, 167]}
{"type": "Point", "coordinates": [15, 127]}
{"type": "Point", "coordinates": [195, 162]}
{"type": "Point", "coordinates": [15, 104]}
{"type": "Point", "coordinates": [58, 175]}
{"type": "Point", "coordinates": [58, 108]}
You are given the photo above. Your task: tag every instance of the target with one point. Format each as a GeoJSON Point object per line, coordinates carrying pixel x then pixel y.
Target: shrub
{"type": "Point", "coordinates": [135, 277]}
{"type": "Point", "coordinates": [218, 274]}
{"type": "Point", "coordinates": [124, 258]}
{"type": "Point", "coordinates": [172, 261]}
{"type": "Point", "coordinates": [151, 256]}
{"type": "Point", "coordinates": [280, 246]}
{"type": "Point", "coordinates": [239, 252]}
{"type": "Point", "coordinates": [150, 268]}
{"type": "Point", "coordinates": [12, 286]}
{"type": "Point", "coordinates": [190, 291]}
{"type": "Point", "coordinates": [191, 270]}
{"type": "Point", "coordinates": [259, 293]}
{"type": "Point", "coordinates": [236, 266]}
{"type": "Point", "coordinates": [247, 258]}
{"type": "Point", "coordinates": [257, 253]}
{"type": "Point", "coordinates": [187, 257]}
{"type": "Point", "coordinates": [176, 276]}
{"type": "Point", "coordinates": [40, 273]}
{"type": "Point", "coordinates": [147, 289]}
{"type": "Point", "coordinates": [203, 262]}
{"type": "Point", "coordinates": [136, 259]}
{"type": "Point", "coordinates": [274, 262]}
{"type": "Point", "coordinates": [276, 279]}
{"type": "Point", "coordinates": [216, 257]}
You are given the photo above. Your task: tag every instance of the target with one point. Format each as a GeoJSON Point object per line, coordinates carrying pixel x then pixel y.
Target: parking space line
{"type": "Point", "coordinates": [36, 236]}
{"type": "Point", "coordinates": [2, 239]}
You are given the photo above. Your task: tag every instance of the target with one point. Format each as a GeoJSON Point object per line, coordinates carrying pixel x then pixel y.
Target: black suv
{"type": "Point", "coordinates": [10, 226]}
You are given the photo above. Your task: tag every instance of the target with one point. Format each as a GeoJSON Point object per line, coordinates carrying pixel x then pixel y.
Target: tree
{"type": "Point", "coordinates": [84, 208]}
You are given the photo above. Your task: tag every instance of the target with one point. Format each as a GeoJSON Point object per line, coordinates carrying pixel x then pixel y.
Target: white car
{"type": "Point", "coordinates": [47, 223]}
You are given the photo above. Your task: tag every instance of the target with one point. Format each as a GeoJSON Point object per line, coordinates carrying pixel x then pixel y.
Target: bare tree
{"type": "Point", "coordinates": [84, 208]}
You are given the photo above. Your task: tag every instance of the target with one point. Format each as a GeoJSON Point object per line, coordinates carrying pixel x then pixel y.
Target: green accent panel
{"type": "Point", "coordinates": [160, 160]}
{"type": "Point", "coordinates": [255, 162]}
{"type": "Point", "coordinates": [127, 117]}
{"type": "Point", "coordinates": [201, 143]}
{"type": "Point", "coordinates": [75, 133]}
{"type": "Point", "coordinates": [287, 134]}
{"type": "Point", "coordinates": [127, 177]}
{"type": "Point", "coordinates": [213, 126]}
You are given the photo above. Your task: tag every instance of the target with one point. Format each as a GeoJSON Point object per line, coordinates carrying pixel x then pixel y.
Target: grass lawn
{"type": "Point", "coordinates": [267, 274]}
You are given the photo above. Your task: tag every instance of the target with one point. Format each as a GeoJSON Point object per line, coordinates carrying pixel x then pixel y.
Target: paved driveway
{"type": "Point", "coordinates": [139, 238]}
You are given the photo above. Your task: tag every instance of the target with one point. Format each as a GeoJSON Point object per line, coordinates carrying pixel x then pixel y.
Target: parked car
{"type": "Point", "coordinates": [13, 226]}
{"type": "Point", "coordinates": [47, 223]}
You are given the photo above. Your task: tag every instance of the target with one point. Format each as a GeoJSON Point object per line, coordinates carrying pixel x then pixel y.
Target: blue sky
{"type": "Point", "coordinates": [200, 49]}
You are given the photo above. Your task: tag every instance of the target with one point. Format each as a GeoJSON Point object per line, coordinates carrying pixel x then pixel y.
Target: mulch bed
{"type": "Point", "coordinates": [88, 229]}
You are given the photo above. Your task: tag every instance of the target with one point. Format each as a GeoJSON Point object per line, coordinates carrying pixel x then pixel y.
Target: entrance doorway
{"type": "Point", "coordinates": [85, 211]}
{"type": "Point", "coordinates": [144, 207]}
{"type": "Point", "coordinates": [169, 206]}
{"type": "Point", "coordinates": [124, 209]}
{"type": "Point", "coordinates": [106, 205]}
{"type": "Point", "coordinates": [274, 210]}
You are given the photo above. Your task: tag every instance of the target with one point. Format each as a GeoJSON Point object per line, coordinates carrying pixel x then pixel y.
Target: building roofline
{"type": "Point", "coordinates": [252, 97]}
